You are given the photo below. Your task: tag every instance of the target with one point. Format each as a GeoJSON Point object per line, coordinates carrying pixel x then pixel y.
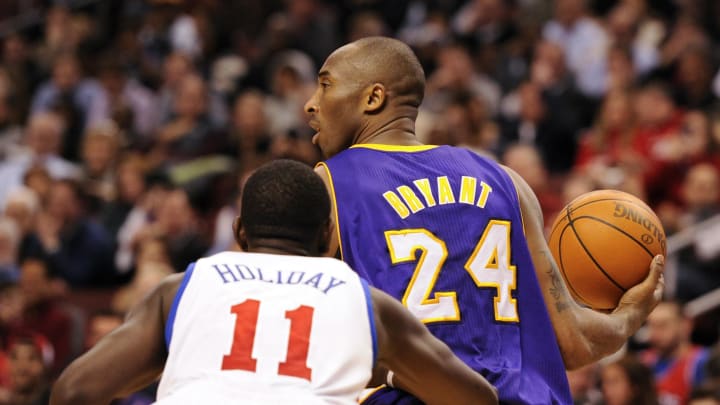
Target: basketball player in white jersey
{"type": "Point", "coordinates": [275, 325]}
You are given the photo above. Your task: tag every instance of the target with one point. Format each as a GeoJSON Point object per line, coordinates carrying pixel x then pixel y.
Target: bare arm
{"type": "Point", "coordinates": [128, 359]}
{"type": "Point", "coordinates": [423, 365]}
{"type": "Point", "coordinates": [584, 335]}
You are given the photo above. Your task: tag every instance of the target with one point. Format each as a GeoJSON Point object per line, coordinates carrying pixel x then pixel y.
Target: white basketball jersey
{"type": "Point", "coordinates": [250, 328]}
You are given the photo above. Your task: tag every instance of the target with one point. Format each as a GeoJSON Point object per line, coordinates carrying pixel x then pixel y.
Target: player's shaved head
{"type": "Point", "coordinates": [389, 62]}
{"type": "Point", "coordinates": [284, 199]}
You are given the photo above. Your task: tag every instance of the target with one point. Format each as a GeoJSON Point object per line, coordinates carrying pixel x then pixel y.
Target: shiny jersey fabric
{"type": "Point", "coordinates": [440, 229]}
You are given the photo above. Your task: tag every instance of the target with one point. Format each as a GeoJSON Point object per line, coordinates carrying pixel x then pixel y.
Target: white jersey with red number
{"type": "Point", "coordinates": [249, 328]}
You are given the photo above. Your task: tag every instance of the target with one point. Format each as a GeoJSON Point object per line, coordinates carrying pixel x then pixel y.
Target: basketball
{"type": "Point", "coordinates": [603, 243]}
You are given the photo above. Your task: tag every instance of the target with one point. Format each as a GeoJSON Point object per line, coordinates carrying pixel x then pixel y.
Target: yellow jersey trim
{"type": "Point", "coordinates": [394, 148]}
{"type": "Point", "coordinates": [367, 393]}
{"type": "Point", "coordinates": [335, 206]}
{"type": "Point", "coordinates": [519, 203]}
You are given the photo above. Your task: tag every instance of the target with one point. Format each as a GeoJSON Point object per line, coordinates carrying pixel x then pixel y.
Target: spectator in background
{"type": "Point", "coordinates": [425, 29]}
{"type": "Point", "coordinates": [633, 29]}
{"type": "Point", "coordinates": [585, 43]}
{"type": "Point", "coordinates": [576, 185]}
{"type": "Point", "coordinates": [81, 101]}
{"type": "Point", "coordinates": [152, 37]}
{"type": "Point", "coordinates": [525, 159]}
{"type": "Point", "coordinates": [677, 364]}
{"type": "Point", "coordinates": [64, 32]}
{"type": "Point", "coordinates": [184, 33]}
{"type": "Point", "coordinates": [11, 308]}
{"type": "Point", "coordinates": [489, 22]}
{"type": "Point", "coordinates": [604, 152]}
{"type": "Point", "coordinates": [128, 190]}
{"type": "Point", "coordinates": [43, 140]}
{"type": "Point", "coordinates": [296, 147]}
{"type": "Point", "coordinates": [225, 74]}
{"type": "Point", "coordinates": [693, 79]}
{"type": "Point", "coordinates": [175, 67]}
{"type": "Point", "coordinates": [38, 180]}
{"type": "Point", "coordinates": [190, 133]}
{"type": "Point", "coordinates": [177, 223]}
{"type": "Point", "coordinates": [455, 73]}
{"type": "Point", "coordinates": [584, 385]}
{"type": "Point", "coordinates": [691, 145]}
{"type": "Point", "coordinates": [698, 266]}
{"type": "Point", "coordinates": [469, 125]}
{"type": "Point", "coordinates": [223, 238]}
{"type": "Point", "coordinates": [535, 126]}
{"type": "Point", "coordinates": [308, 25]}
{"type": "Point", "coordinates": [621, 71]}
{"type": "Point", "coordinates": [250, 130]}
{"type": "Point", "coordinates": [152, 251]}
{"type": "Point", "coordinates": [658, 123]}
{"type": "Point", "coordinates": [567, 108]}
{"type": "Point", "coordinates": [44, 311]}
{"type": "Point", "coordinates": [78, 249]}
{"type": "Point", "coordinates": [686, 33]}
{"type": "Point", "coordinates": [10, 131]}
{"type": "Point", "coordinates": [10, 239]}
{"type": "Point", "coordinates": [147, 277]}
{"type": "Point", "coordinates": [627, 381]}
{"type": "Point", "coordinates": [145, 209]}
{"type": "Point", "coordinates": [22, 206]}
{"type": "Point", "coordinates": [23, 72]}
{"type": "Point", "coordinates": [292, 79]}
{"type": "Point", "coordinates": [31, 358]}
{"type": "Point", "coordinates": [100, 149]}
{"type": "Point", "coordinates": [132, 106]}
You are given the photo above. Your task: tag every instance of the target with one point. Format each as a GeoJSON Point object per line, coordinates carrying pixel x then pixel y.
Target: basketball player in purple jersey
{"type": "Point", "coordinates": [454, 236]}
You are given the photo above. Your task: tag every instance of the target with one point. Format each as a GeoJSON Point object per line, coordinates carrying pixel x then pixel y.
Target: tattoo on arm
{"type": "Point", "coordinates": [557, 287]}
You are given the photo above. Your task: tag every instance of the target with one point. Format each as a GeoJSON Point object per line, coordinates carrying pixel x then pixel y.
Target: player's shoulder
{"type": "Point", "coordinates": [164, 293]}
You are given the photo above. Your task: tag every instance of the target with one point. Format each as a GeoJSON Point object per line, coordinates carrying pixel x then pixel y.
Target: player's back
{"type": "Point", "coordinates": [252, 328]}
{"type": "Point", "coordinates": [440, 229]}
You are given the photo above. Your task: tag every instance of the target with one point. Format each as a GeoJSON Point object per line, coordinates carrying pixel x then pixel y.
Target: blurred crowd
{"type": "Point", "coordinates": [127, 128]}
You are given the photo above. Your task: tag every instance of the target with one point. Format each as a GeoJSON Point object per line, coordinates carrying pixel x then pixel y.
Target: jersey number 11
{"type": "Point", "coordinates": [246, 318]}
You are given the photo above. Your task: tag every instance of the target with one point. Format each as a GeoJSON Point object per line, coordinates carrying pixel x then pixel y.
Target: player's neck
{"type": "Point", "coordinates": [280, 247]}
{"type": "Point", "coordinates": [398, 129]}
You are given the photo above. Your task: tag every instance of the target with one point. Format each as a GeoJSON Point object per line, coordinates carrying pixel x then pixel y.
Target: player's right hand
{"type": "Point", "coordinates": [644, 297]}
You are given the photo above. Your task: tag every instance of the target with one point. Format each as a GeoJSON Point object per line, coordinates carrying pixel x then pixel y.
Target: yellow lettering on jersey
{"type": "Point", "coordinates": [397, 204]}
{"type": "Point", "coordinates": [467, 190]}
{"type": "Point", "coordinates": [423, 185]}
{"type": "Point", "coordinates": [445, 192]}
{"type": "Point", "coordinates": [410, 198]}
{"type": "Point", "coordinates": [484, 194]}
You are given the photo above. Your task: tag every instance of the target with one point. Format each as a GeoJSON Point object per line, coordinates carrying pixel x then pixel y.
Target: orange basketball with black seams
{"type": "Point", "coordinates": [603, 243]}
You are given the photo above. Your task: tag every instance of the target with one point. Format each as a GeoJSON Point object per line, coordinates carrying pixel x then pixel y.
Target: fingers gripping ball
{"type": "Point", "coordinates": [603, 243]}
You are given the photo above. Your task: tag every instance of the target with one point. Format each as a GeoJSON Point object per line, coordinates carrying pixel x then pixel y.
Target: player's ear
{"type": "Point", "coordinates": [239, 233]}
{"type": "Point", "coordinates": [325, 235]}
{"type": "Point", "coordinates": [375, 98]}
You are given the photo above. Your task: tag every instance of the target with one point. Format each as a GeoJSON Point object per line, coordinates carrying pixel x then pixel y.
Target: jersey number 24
{"type": "Point", "coordinates": [489, 266]}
